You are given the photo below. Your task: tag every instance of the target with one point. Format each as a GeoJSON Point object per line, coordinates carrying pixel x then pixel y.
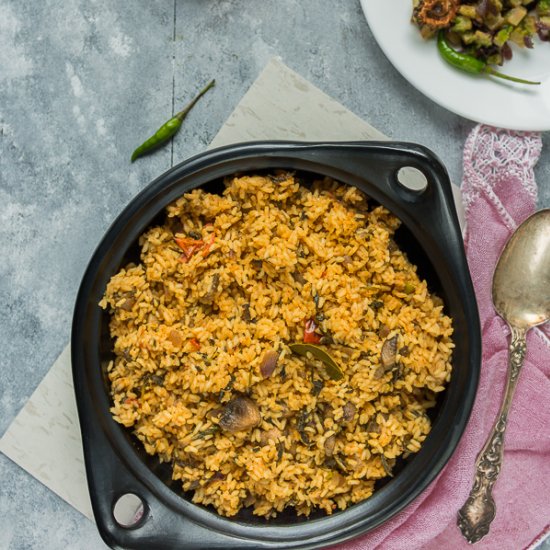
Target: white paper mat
{"type": "Point", "coordinates": [44, 438]}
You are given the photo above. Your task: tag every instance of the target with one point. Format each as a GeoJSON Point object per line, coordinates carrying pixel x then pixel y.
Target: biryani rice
{"type": "Point", "coordinates": [231, 277]}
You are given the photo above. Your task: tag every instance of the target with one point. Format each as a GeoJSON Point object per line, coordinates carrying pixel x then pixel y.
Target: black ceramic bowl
{"type": "Point", "coordinates": [116, 464]}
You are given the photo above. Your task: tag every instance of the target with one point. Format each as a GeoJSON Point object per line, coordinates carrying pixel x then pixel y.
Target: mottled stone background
{"type": "Point", "coordinates": [81, 84]}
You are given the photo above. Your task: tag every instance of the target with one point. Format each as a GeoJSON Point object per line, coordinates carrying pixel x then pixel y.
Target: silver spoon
{"type": "Point", "coordinates": [521, 296]}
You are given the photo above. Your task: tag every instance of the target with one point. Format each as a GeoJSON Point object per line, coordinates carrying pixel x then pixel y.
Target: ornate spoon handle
{"type": "Point", "coordinates": [477, 513]}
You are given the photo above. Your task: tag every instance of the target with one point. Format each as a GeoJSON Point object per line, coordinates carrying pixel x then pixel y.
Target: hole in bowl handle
{"type": "Point", "coordinates": [412, 179]}
{"type": "Point", "coordinates": [130, 511]}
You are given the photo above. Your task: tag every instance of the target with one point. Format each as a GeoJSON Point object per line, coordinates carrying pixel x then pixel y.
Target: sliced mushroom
{"type": "Point", "coordinates": [285, 411]}
{"type": "Point", "coordinates": [341, 463]}
{"type": "Point", "coordinates": [392, 246]}
{"type": "Point", "coordinates": [269, 435]}
{"type": "Point", "coordinates": [404, 351]}
{"type": "Point", "coordinates": [239, 415]}
{"type": "Point", "coordinates": [246, 313]}
{"type": "Point", "coordinates": [372, 426]}
{"type": "Point", "coordinates": [330, 443]}
{"type": "Point", "coordinates": [128, 304]}
{"type": "Point", "coordinates": [386, 466]}
{"type": "Point", "coordinates": [349, 411]}
{"type": "Point", "coordinates": [217, 476]}
{"type": "Point", "coordinates": [208, 298]}
{"type": "Point", "coordinates": [389, 353]}
{"type": "Point", "coordinates": [193, 485]}
{"type": "Point", "coordinates": [214, 413]}
{"type": "Point", "coordinates": [187, 462]}
{"type": "Point", "coordinates": [299, 278]}
{"type": "Point", "coordinates": [338, 480]}
{"type": "Point", "coordinates": [378, 373]}
{"type": "Point", "coordinates": [359, 465]}
{"type": "Point", "coordinates": [397, 372]}
{"type": "Point", "coordinates": [269, 362]}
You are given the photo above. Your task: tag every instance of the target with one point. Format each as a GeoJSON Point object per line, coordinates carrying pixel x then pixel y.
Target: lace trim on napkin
{"type": "Point", "coordinates": [492, 155]}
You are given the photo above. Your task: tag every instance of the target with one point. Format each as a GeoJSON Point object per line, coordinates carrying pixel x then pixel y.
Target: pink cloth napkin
{"type": "Point", "coordinates": [499, 193]}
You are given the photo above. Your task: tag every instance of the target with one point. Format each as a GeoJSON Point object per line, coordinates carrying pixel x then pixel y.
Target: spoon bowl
{"type": "Point", "coordinates": [521, 296]}
{"type": "Point", "coordinates": [521, 282]}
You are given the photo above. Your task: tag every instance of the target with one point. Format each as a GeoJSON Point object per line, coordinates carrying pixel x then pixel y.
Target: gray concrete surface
{"type": "Point", "coordinates": [81, 83]}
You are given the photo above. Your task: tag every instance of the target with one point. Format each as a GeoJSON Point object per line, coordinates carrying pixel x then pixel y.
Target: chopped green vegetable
{"type": "Point", "coordinates": [515, 15]}
{"type": "Point", "coordinates": [331, 367]}
{"type": "Point", "coordinates": [461, 24]}
{"type": "Point", "coordinates": [409, 288]}
{"type": "Point", "coordinates": [503, 35]}
{"type": "Point", "coordinates": [468, 11]}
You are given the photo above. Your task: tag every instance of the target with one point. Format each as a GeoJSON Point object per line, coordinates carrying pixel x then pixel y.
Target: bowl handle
{"type": "Point", "coordinates": [154, 524]}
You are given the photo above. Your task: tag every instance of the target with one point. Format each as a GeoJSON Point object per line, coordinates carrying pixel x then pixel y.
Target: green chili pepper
{"type": "Point", "coordinates": [169, 129]}
{"type": "Point", "coordinates": [469, 63]}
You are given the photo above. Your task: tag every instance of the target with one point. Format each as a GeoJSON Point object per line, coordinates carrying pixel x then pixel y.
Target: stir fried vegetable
{"type": "Point", "coordinates": [484, 29]}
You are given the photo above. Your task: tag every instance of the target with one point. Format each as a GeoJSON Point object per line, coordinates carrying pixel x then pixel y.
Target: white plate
{"type": "Point", "coordinates": [489, 100]}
